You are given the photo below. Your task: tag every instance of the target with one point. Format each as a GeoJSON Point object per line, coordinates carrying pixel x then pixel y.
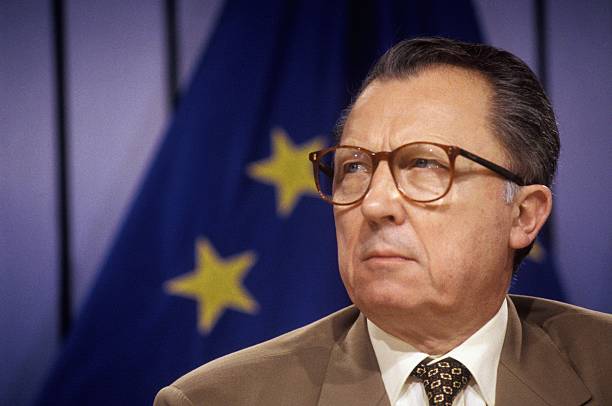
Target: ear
{"type": "Point", "coordinates": [532, 206]}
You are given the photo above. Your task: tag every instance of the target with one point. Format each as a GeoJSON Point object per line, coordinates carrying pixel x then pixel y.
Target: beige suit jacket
{"type": "Point", "coordinates": [553, 354]}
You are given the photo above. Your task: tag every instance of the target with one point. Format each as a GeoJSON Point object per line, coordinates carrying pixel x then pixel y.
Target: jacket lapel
{"type": "Point", "coordinates": [353, 376]}
{"type": "Point", "coordinates": [532, 371]}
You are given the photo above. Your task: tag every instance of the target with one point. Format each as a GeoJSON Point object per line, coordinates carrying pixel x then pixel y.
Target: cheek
{"type": "Point", "coordinates": [471, 250]}
{"type": "Point", "coordinates": [440, 240]}
{"type": "Point", "coordinates": [464, 237]}
{"type": "Point", "coordinates": [347, 230]}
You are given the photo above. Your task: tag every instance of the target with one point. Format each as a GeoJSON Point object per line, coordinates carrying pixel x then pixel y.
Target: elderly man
{"type": "Point", "coordinates": [439, 184]}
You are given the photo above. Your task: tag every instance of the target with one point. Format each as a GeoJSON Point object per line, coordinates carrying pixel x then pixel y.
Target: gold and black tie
{"type": "Point", "coordinates": [443, 380]}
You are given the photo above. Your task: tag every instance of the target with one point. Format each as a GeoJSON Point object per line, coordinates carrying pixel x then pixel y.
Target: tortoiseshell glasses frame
{"type": "Point", "coordinates": [423, 184]}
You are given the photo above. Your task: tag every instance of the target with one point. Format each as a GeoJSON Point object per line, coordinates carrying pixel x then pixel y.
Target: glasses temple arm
{"type": "Point", "coordinates": [494, 167]}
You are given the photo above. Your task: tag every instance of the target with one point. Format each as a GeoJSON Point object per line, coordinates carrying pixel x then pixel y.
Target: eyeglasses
{"type": "Point", "coordinates": [422, 171]}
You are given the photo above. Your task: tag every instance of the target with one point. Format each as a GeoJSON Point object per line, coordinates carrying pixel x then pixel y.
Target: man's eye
{"type": "Point", "coordinates": [425, 163]}
{"type": "Point", "coordinates": [354, 167]}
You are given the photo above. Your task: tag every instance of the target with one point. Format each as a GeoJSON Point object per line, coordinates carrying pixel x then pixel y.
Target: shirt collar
{"type": "Point", "coordinates": [480, 353]}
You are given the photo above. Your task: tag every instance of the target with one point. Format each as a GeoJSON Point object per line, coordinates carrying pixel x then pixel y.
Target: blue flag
{"type": "Point", "coordinates": [226, 243]}
{"type": "Point", "coordinates": [537, 275]}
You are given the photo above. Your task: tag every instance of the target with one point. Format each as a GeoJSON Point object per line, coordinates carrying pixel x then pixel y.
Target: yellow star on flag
{"type": "Point", "coordinates": [216, 284]}
{"type": "Point", "coordinates": [288, 169]}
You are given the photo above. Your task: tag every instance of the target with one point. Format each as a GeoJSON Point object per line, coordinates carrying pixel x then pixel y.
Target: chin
{"type": "Point", "coordinates": [383, 297]}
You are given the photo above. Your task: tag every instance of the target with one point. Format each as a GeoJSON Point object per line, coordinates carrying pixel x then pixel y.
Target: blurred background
{"type": "Point", "coordinates": [81, 121]}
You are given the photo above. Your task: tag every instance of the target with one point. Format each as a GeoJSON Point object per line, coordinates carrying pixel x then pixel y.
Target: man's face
{"type": "Point", "coordinates": [448, 258]}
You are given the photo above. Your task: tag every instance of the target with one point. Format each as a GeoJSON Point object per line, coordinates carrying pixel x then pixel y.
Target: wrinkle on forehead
{"type": "Point", "coordinates": [436, 104]}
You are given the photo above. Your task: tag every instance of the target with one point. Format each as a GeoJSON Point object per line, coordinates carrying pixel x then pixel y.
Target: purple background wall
{"type": "Point", "coordinates": [117, 105]}
{"type": "Point", "coordinates": [28, 234]}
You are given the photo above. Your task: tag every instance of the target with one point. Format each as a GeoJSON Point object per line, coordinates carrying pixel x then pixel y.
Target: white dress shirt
{"type": "Point", "coordinates": [479, 353]}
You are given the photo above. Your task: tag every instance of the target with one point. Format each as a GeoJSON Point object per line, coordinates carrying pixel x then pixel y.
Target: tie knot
{"type": "Point", "coordinates": [443, 380]}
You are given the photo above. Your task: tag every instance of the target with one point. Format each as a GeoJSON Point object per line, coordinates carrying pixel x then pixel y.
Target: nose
{"type": "Point", "coordinates": [383, 203]}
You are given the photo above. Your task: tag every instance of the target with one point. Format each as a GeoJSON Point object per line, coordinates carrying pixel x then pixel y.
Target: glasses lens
{"type": "Point", "coordinates": [422, 171]}
{"type": "Point", "coordinates": [344, 174]}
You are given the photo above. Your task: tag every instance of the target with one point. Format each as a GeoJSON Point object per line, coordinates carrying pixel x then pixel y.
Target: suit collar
{"type": "Point", "coordinates": [352, 376]}
{"type": "Point", "coordinates": [532, 371]}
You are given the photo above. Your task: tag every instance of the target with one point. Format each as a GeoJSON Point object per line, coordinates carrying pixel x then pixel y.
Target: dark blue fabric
{"type": "Point", "coordinates": [272, 64]}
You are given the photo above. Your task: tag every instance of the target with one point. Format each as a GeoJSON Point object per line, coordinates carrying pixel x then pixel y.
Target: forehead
{"type": "Point", "coordinates": [441, 104]}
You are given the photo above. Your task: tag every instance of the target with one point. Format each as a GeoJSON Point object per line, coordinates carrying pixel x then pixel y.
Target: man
{"type": "Point", "coordinates": [439, 184]}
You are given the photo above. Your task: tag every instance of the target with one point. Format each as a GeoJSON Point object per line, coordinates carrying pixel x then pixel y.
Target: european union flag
{"type": "Point", "coordinates": [226, 244]}
{"type": "Point", "coordinates": [537, 275]}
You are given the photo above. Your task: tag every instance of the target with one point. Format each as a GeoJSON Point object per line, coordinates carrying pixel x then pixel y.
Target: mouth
{"type": "Point", "coordinates": [385, 256]}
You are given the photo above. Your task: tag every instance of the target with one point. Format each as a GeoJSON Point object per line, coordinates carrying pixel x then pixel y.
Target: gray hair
{"type": "Point", "coordinates": [510, 191]}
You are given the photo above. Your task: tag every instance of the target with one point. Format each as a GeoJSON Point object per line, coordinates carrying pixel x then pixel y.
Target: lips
{"type": "Point", "coordinates": [384, 254]}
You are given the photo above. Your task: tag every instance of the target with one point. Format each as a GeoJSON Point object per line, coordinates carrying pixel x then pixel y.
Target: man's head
{"type": "Point", "coordinates": [520, 114]}
{"type": "Point", "coordinates": [450, 260]}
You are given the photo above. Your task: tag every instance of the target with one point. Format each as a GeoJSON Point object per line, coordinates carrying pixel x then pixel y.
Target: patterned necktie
{"type": "Point", "coordinates": [443, 380]}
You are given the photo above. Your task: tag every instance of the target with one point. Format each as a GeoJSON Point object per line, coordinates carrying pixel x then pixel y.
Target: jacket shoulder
{"type": "Point", "coordinates": [581, 336]}
{"type": "Point", "coordinates": [297, 359]}
{"type": "Point", "coordinates": [563, 318]}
